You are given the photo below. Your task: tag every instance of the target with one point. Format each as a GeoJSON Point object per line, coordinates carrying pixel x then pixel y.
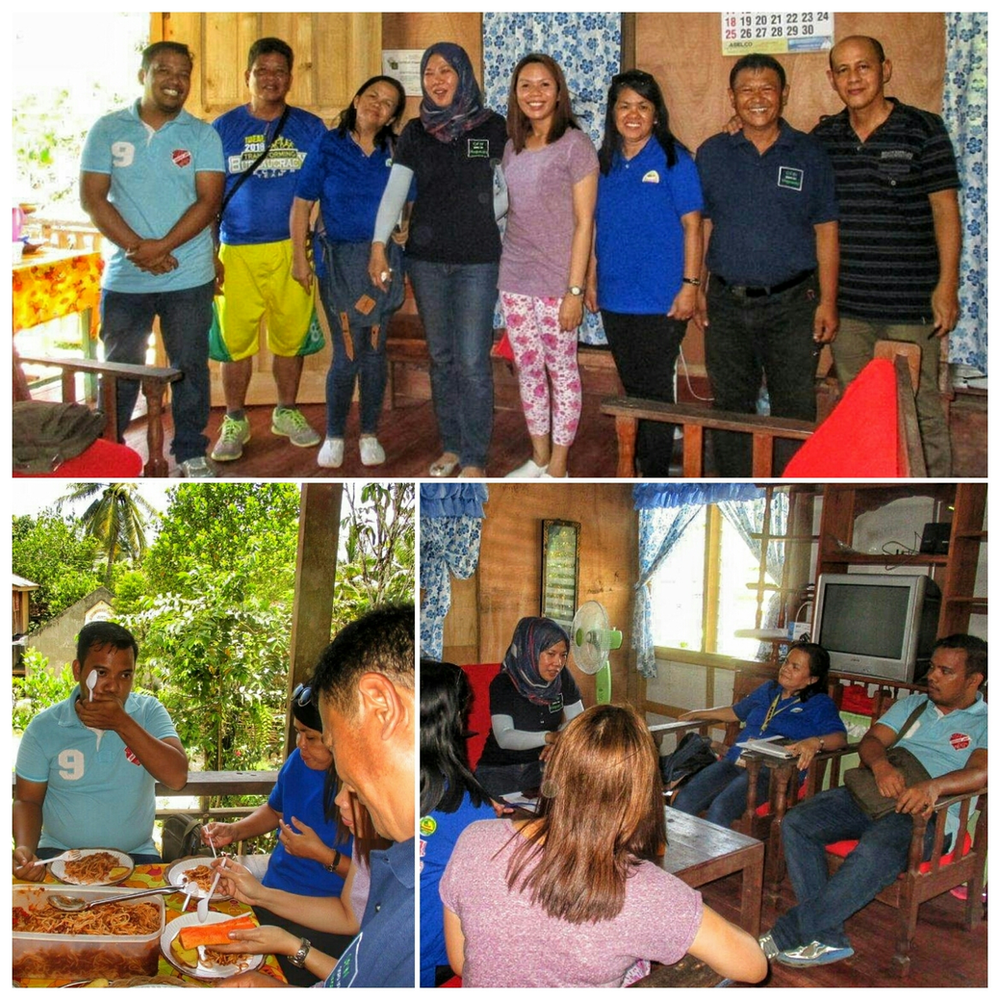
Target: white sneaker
{"type": "Point", "coordinates": [372, 453]}
{"type": "Point", "coordinates": [528, 471]}
{"type": "Point", "coordinates": [197, 468]}
{"type": "Point", "coordinates": [331, 455]}
{"type": "Point", "coordinates": [545, 475]}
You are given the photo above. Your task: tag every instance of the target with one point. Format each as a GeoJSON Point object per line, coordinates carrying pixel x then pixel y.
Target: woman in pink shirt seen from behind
{"type": "Point", "coordinates": [574, 896]}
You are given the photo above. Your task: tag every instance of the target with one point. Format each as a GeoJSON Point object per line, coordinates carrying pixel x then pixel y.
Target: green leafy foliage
{"type": "Point", "coordinates": [50, 551]}
{"type": "Point", "coordinates": [38, 689]}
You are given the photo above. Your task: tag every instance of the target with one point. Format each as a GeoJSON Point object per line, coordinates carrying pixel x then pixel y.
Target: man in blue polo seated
{"type": "Point", "coordinates": [948, 737]}
{"type": "Point", "coordinates": [87, 767]}
{"type": "Point", "coordinates": [771, 211]}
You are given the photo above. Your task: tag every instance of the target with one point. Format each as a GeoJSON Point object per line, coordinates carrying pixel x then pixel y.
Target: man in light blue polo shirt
{"type": "Point", "coordinates": [87, 767]}
{"type": "Point", "coordinates": [949, 738]}
{"type": "Point", "coordinates": [151, 181]}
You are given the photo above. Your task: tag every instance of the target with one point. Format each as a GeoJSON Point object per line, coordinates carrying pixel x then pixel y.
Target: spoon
{"type": "Point", "coordinates": [203, 902]}
{"type": "Point", "coordinates": [92, 683]}
{"type": "Point", "coordinates": [74, 904]}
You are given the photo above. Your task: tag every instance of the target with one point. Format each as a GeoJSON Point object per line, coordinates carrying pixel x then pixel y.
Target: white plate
{"type": "Point", "coordinates": [58, 868]}
{"type": "Point", "coordinates": [203, 971]}
{"type": "Point", "coordinates": [182, 865]}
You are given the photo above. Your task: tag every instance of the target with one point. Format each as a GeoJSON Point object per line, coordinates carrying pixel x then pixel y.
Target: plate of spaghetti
{"type": "Point", "coordinates": [197, 870]}
{"type": "Point", "coordinates": [111, 920]}
{"type": "Point", "coordinates": [95, 866]}
{"type": "Point", "coordinates": [204, 962]}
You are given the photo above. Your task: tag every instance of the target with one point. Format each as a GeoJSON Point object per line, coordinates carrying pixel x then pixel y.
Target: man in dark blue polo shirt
{"type": "Point", "coordinates": [900, 228]}
{"type": "Point", "coordinates": [771, 231]}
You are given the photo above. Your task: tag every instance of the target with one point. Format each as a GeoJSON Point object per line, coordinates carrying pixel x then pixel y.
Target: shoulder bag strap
{"type": "Point", "coordinates": [914, 715]}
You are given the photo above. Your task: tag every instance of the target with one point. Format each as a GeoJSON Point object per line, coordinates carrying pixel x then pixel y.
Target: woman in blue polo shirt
{"type": "Point", "coordinates": [347, 172]}
{"type": "Point", "coordinates": [795, 706]}
{"type": "Point", "coordinates": [646, 266]}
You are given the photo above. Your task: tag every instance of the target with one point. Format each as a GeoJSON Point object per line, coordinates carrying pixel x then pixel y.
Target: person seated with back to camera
{"type": "Point", "coordinates": [574, 896]}
{"type": "Point", "coordinates": [313, 853]}
{"type": "Point", "coordinates": [795, 706]}
{"type": "Point", "coordinates": [450, 799]}
{"type": "Point", "coordinates": [531, 699]}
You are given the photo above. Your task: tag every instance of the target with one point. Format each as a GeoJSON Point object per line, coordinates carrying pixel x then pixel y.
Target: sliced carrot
{"type": "Point", "coordinates": [210, 934]}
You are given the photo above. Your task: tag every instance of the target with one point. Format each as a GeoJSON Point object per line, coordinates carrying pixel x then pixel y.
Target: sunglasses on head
{"type": "Point", "coordinates": [302, 695]}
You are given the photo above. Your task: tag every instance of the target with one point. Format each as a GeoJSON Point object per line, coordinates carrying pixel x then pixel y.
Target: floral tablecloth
{"type": "Point", "coordinates": [147, 877]}
{"type": "Point", "coordinates": [55, 283]}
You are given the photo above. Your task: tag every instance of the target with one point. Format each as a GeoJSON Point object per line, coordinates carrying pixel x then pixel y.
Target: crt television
{"type": "Point", "coordinates": [881, 625]}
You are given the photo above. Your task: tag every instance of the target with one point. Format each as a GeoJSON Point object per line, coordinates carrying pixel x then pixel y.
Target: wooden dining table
{"type": "Point", "coordinates": [148, 877]}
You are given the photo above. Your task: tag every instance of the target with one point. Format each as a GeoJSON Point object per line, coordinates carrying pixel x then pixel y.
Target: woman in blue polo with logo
{"type": "Point", "coordinates": [795, 706]}
{"type": "Point", "coordinates": [646, 266]}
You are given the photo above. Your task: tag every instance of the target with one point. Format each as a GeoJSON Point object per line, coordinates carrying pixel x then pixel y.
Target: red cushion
{"type": "Point", "coordinates": [844, 847]}
{"type": "Point", "coordinates": [102, 460]}
{"type": "Point", "coordinates": [480, 675]}
{"type": "Point", "coordinates": [859, 436]}
{"type": "Point", "coordinates": [765, 809]}
{"type": "Point", "coordinates": [454, 981]}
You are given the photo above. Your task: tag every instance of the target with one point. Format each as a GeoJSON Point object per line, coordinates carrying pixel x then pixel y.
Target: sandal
{"type": "Point", "coordinates": [443, 467]}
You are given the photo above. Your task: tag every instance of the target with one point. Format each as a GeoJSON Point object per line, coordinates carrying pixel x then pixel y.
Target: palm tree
{"type": "Point", "coordinates": [116, 518]}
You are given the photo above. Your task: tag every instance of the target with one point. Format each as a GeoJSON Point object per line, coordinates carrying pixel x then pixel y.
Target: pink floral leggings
{"type": "Point", "coordinates": [543, 352]}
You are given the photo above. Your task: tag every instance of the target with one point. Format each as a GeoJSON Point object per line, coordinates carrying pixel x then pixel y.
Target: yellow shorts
{"type": "Point", "coordinates": [258, 284]}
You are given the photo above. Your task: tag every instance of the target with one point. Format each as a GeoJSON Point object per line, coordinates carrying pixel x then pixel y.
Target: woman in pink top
{"type": "Point", "coordinates": [574, 896]}
{"type": "Point", "coordinates": [550, 167]}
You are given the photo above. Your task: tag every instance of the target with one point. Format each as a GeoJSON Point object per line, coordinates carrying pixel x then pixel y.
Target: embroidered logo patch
{"type": "Point", "coordinates": [131, 757]}
{"type": "Point", "coordinates": [182, 157]}
{"type": "Point", "coordinates": [428, 824]}
{"type": "Point", "coordinates": [960, 741]}
{"type": "Point", "coordinates": [790, 178]}
{"type": "Point", "coordinates": [650, 177]}
{"type": "Point", "coordinates": [478, 149]}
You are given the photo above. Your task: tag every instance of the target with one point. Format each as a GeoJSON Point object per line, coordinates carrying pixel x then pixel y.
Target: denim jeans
{"type": "Point", "coordinates": [645, 350]}
{"type": "Point", "coordinates": [456, 303]}
{"type": "Point", "coordinates": [825, 902]}
{"type": "Point", "coordinates": [750, 337]}
{"type": "Point", "coordinates": [368, 366]}
{"type": "Point", "coordinates": [721, 788]}
{"type": "Point", "coordinates": [185, 318]}
{"type": "Point", "coordinates": [506, 778]}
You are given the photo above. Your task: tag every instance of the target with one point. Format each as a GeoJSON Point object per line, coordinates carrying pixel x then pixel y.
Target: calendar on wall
{"type": "Point", "coordinates": [783, 31]}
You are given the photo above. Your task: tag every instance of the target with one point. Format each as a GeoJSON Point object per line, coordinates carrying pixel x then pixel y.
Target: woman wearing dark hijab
{"type": "Point", "coordinates": [531, 699]}
{"type": "Point", "coordinates": [453, 249]}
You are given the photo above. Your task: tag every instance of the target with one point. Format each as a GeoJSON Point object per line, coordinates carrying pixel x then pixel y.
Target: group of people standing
{"type": "Point", "coordinates": [854, 227]}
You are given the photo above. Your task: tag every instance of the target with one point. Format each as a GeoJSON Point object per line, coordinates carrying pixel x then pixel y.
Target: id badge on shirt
{"type": "Point", "coordinates": [557, 705]}
{"type": "Point", "coordinates": [346, 970]}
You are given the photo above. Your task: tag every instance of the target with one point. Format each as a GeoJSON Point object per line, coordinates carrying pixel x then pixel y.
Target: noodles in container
{"type": "Point", "coordinates": [113, 941]}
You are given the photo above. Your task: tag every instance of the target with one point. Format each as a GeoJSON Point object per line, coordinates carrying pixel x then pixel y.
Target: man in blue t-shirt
{"type": "Point", "coordinates": [87, 766]}
{"type": "Point", "coordinates": [151, 180]}
{"type": "Point", "coordinates": [771, 215]}
{"type": "Point", "coordinates": [254, 262]}
{"type": "Point", "coordinates": [949, 738]}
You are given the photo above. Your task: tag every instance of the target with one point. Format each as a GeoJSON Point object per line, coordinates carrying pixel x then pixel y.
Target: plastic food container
{"type": "Point", "coordinates": [83, 956]}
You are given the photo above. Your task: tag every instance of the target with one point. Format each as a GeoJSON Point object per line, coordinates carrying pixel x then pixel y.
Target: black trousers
{"type": "Point", "coordinates": [645, 349]}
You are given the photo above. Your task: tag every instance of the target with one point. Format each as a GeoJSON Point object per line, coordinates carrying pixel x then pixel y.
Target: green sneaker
{"type": "Point", "coordinates": [292, 425]}
{"type": "Point", "coordinates": [233, 434]}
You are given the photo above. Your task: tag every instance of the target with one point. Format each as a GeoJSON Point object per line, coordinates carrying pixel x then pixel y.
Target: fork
{"type": "Point", "coordinates": [73, 855]}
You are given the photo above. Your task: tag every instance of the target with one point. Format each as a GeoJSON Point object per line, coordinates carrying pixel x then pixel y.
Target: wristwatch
{"type": "Point", "coordinates": [299, 958]}
{"type": "Point", "coordinates": [337, 858]}
{"type": "Point", "coordinates": [575, 290]}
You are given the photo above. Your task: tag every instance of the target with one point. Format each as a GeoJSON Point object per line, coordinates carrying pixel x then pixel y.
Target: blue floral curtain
{"type": "Point", "coordinates": [965, 115]}
{"type": "Point", "coordinates": [451, 522]}
{"type": "Point", "coordinates": [587, 48]}
{"type": "Point", "coordinates": [665, 510]}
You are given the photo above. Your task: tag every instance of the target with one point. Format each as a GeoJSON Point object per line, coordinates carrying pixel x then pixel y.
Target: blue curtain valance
{"type": "Point", "coordinates": [653, 496]}
{"type": "Point", "coordinates": [452, 499]}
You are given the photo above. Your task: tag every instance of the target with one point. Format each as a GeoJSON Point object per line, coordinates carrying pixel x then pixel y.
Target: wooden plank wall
{"type": "Point", "coordinates": [506, 587]}
{"type": "Point", "coordinates": [683, 52]}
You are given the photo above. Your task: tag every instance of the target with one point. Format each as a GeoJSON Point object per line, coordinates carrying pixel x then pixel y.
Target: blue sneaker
{"type": "Point", "coordinates": [815, 953]}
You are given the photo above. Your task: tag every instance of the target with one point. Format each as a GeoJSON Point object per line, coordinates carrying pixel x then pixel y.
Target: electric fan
{"type": "Point", "coordinates": [593, 639]}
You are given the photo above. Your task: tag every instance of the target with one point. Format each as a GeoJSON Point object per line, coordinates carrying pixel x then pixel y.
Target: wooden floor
{"type": "Point", "coordinates": [943, 955]}
{"type": "Point", "coordinates": [409, 435]}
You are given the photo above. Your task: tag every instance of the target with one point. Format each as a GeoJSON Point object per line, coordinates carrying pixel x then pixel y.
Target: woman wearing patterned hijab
{"type": "Point", "coordinates": [453, 249]}
{"type": "Point", "coordinates": [531, 700]}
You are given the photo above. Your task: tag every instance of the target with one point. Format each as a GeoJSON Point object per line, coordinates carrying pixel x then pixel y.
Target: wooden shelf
{"type": "Point", "coordinates": [884, 559]}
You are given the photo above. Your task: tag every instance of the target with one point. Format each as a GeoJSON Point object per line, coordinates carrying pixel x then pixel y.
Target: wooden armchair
{"type": "Point", "coordinates": [153, 382]}
{"type": "Point", "coordinates": [923, 880]}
